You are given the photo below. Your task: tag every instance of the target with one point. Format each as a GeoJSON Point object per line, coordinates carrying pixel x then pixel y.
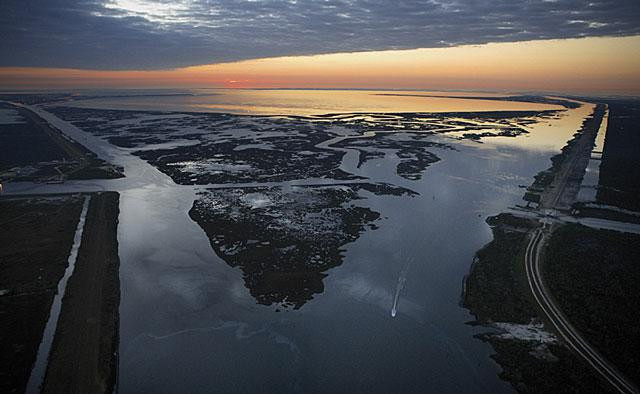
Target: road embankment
{"type": "Point", "coordinates": [558, 186]}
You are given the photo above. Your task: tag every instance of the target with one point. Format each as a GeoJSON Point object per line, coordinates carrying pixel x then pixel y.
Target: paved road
{"type": "Point", "coordinates": [566, 331]}
{"type": "Point", "coordinates": [552, 216]}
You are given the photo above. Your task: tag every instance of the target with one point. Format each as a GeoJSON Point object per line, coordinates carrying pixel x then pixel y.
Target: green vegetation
{"type": "Point", "coordinates": [562, 372]}
{"type": "Point", "coordinates": [594, 276]}
{"type": "Point", "coordinates": [493, 290]}
{"type": "Point", "coordinates": [496, 290]}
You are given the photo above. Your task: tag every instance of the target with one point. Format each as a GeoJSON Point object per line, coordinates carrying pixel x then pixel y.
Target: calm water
{"type": "Point", "coordinates": [188, 323]}
{"type": "Point", "coordinates": [305, 102]}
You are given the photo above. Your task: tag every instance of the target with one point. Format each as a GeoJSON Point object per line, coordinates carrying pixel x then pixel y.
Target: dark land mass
{"type": "Point", "coordinates": [496, 290]}
{"type": "Point", "coordinates": [36, 151]}
{"type": "Point", "coordinates": [284, 150]}
{"type": "Point", "coordinates": [590, 210]}
{"type": "Point", "coordinates": [415, 158]}
{"type": "Point", "coordinates": [544, 100]}
{"type": "Point", "coordinates": [227, 165]}
{"type": "Point", "coordinates": [83, 357]}
{"type": "Point", "coordinates": [224, 148]}
{"type": "Point", "coordinates": [490, 292]}
{"type": "Point", "coordinates": [619, 183]}
{"type": "Point", "coordinates": [36, 235]}
{"type": "Point", "coordinates": [594, 276]}
{"type": "Point", "coordinates": [23, 144]}
{"type": "Point", "coordinates": [285, 241]}
{"type": "Point", "coordinates": [419, 121]}
{"type": "Point", "coordinates": [468, 124]}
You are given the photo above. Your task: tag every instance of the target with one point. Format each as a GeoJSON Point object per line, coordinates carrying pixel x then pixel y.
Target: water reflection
{"type": "Point", "coordinates": [189, 319]}
{"type": "Point", "coordinates": [308, 102]}
{"type": "Point", "coordinates": [299, 181]}
{"type": "Point", "coordinates": [549, 133]}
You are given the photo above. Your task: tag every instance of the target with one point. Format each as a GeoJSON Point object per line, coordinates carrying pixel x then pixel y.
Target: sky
{"type": "Point", "coordinates": [546, 45]}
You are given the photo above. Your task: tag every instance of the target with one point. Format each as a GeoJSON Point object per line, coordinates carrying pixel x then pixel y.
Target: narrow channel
{"type": "Point", "coordinates": [37, 372]}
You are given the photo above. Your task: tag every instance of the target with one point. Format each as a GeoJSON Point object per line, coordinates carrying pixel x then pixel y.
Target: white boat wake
{"type": "Point", "coordinates": [402, 279]}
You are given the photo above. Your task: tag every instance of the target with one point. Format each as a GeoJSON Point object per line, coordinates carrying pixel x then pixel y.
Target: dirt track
{"type": "Point", "coordinates": [83, 355]}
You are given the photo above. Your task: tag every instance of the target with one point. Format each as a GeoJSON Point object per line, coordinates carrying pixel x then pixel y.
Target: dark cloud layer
{"type": "Point", "coordinates": [144, 34]}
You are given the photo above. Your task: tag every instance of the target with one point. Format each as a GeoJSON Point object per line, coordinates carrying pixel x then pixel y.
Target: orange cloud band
{"type": "Point", "coordinates": [604, 65]}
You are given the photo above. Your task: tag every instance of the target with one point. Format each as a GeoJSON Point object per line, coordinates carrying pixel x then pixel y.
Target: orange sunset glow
{"type": "Point", "coordinates": [603, 65]}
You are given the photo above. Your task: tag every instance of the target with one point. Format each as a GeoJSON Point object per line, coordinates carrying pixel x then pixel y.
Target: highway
{"type": "Point", "coordinates": [553, 216]}
{"type": "Point", "coordinates": [556, 199]}
{"type": "Point", "coordinates": [565, 330]}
